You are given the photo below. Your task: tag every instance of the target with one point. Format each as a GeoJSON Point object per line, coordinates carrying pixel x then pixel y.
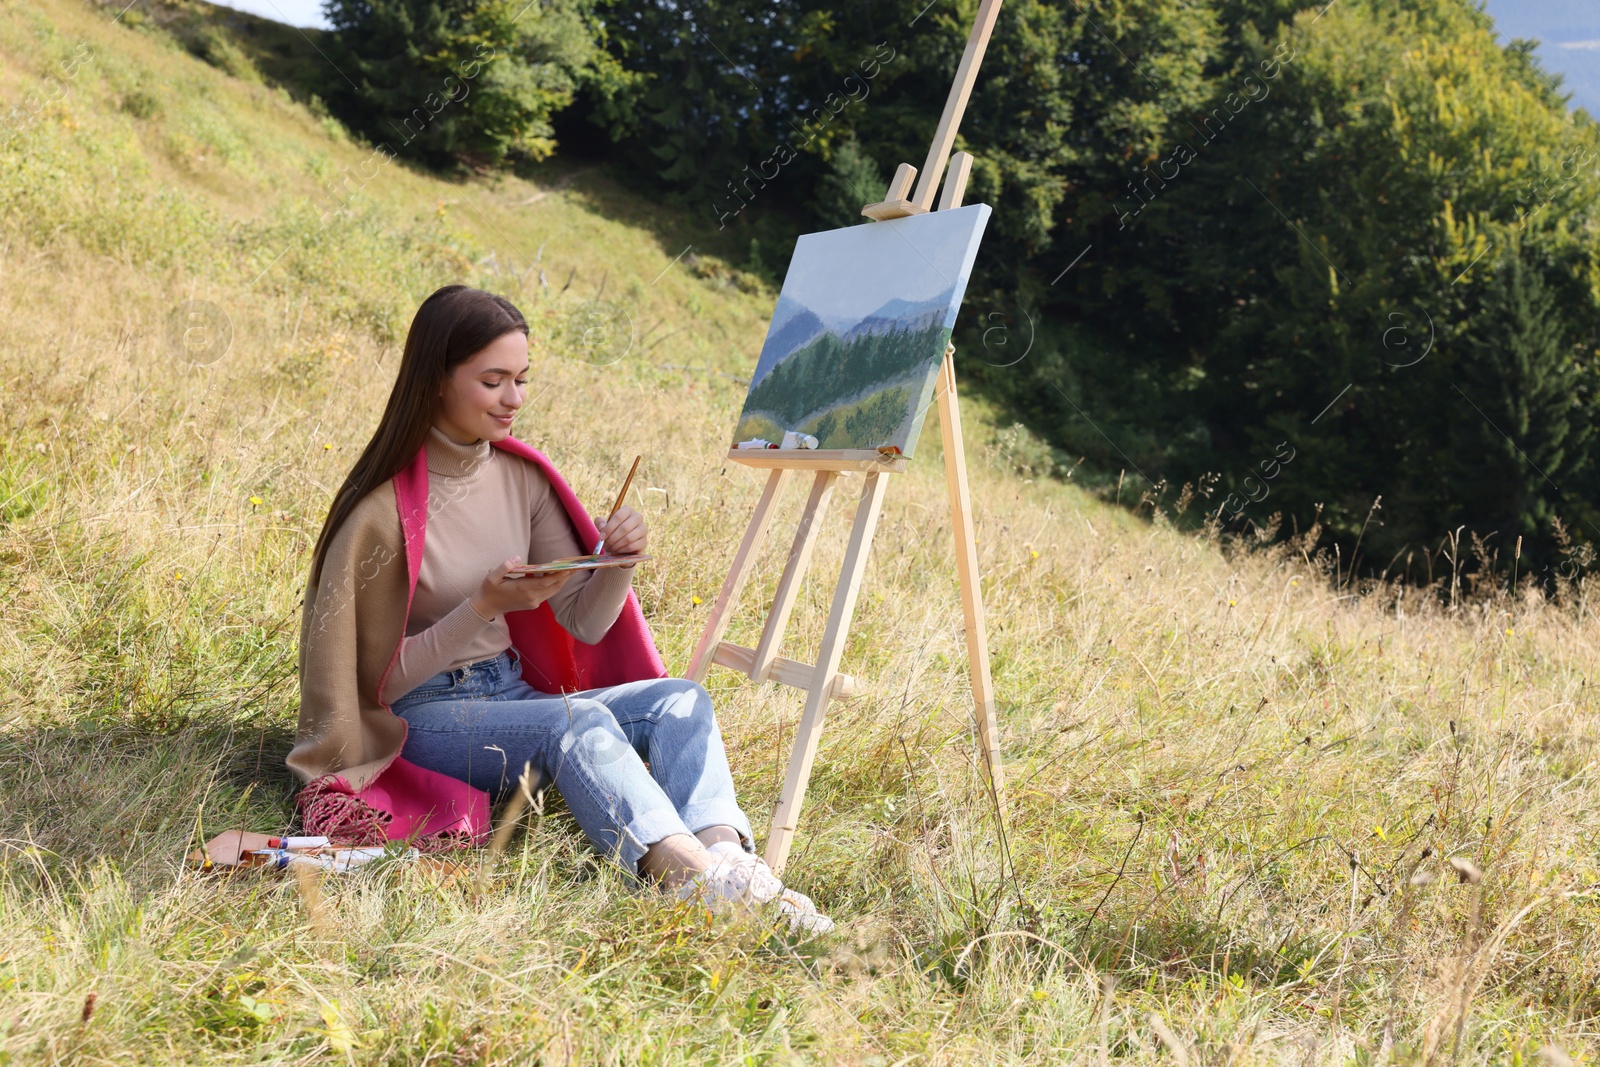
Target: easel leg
{"type": "Point", "coordinates": [787, 815]}
{"type": "Point", "coordinates": [743, 561]}
{"type": "Point", "coordinates": [955, 469]}
{"type": "Point", "coordinates": [794, 572]}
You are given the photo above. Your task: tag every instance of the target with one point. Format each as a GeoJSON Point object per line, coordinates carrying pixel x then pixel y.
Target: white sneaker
{"type": "Point", "coordinates": [741, 878]}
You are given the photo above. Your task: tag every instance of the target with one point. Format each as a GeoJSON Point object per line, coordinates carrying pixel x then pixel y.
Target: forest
{"type": "Point", "coordinates": [1224, 230]}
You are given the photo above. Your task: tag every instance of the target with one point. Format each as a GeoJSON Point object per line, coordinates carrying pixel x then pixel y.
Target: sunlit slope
{"type": "Point", "coordinates": [198, 182]}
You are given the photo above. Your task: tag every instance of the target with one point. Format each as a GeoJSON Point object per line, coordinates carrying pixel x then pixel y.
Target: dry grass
{"type": "Point", "coordinates": [1237, 786]}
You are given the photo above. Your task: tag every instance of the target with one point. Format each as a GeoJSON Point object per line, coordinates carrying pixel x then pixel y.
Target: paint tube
{"type": "Point", "coordinates": [337, 861]}
{"type": "Point", "coordinates": [297, 843]}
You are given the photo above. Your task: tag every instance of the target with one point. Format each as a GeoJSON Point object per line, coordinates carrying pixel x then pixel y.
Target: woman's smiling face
{"type": "Point", "coordinates": [480, 397]}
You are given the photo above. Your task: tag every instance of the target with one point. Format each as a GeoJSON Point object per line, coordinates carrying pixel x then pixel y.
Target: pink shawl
{"type": "Point", "coordinates": [404, 801]}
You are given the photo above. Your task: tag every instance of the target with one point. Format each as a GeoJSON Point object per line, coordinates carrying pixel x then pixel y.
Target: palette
{"type": "Point", "coordinates": [578, 563]}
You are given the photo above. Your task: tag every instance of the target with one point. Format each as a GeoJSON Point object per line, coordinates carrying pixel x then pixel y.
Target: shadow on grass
{"type": "Point", "coordinates": [74, 796]}
{"type": "Point", "coordinates": [71, 796]}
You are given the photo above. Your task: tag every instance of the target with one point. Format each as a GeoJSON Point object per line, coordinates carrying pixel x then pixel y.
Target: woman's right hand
{"type": "Point", "coordinates": [503, 591]}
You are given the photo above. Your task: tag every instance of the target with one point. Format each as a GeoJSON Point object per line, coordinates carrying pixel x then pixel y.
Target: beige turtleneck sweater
{"type": "Point", "coordinates": [485, 506]}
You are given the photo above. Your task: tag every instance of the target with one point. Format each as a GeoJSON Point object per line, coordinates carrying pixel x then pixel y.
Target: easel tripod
{"type": "Point", "coordinates": [822, 681]}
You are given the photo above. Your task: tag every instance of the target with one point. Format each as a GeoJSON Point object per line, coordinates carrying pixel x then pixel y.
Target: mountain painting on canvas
{"type": "Point", "coordinates": [861, 326]}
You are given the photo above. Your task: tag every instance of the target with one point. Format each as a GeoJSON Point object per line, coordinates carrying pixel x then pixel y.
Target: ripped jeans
{"type": "Point", "coordinates": [483, 725]}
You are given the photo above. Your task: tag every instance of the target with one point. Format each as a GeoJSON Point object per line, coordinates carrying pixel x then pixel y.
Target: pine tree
{"type": "Point", "coordinates": [853, 179]}
{"type": "Point", "coordinates": [1521, 430]}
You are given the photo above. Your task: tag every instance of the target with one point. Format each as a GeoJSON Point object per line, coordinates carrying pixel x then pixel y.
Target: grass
{"type": "Point", "coordinates": [1258, 815]}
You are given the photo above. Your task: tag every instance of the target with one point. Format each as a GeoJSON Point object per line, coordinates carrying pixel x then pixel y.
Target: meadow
{"type": "Point", "coordinates": [1261, 812]}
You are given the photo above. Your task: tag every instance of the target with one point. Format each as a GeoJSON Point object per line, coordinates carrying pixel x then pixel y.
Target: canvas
{"type": "Point", "coordinates": [862, 321]}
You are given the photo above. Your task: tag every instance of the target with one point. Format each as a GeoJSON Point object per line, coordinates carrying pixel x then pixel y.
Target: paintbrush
{"type": "Point", "coordinates": [620, 498]}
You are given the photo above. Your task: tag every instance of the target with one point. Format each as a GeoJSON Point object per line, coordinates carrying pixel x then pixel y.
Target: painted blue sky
{"type": "Point", "coordinates": [850, 273]}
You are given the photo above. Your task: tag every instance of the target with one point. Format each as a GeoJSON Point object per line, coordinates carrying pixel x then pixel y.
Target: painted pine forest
{"type": "Point", "coordinates": [849, 392]}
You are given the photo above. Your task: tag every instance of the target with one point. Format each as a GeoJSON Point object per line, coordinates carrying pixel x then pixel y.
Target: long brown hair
{"type": "Point", "coordinates": [453, 325]}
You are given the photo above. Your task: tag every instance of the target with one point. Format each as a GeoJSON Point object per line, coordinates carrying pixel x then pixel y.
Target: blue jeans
{"type": "Point", "coordinates": [484, 725]}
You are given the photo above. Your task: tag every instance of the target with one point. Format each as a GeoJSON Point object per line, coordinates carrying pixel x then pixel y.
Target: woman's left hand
{"type": "Point", "coordinates": [624, 532]}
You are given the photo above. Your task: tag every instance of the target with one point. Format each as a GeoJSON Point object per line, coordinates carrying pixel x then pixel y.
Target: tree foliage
{"type": "Point", "coordinates": [1388, 260]}
{"type": "Point", "coordinates": [473, 81]}
{"type": "Point", "coordinates": [1363, 234]}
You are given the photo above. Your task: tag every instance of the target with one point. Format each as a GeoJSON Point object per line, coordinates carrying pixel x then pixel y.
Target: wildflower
{"type": "Point", "coordinates": [326, 445]}
{"type": "Point", "coordinates": [1232, 603]}
{"type": "Point", "coordinates": [696, 600]}
{"type": "Point", "coordinates": [255, 500]}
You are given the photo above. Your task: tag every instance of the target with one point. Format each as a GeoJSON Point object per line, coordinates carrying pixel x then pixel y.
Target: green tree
{"type": "Point", "coordinates": [696, 111]}
{"type": "Point", "coordinates": [1521, 462]}
{"type": "Point", "coordinates": [1234, 224]}
{"type": "Point", "coordinates": [463, 81]}
{"type": "Point", "coordinates": [1302, 261]}
{"type": "Point", "coordinates": [853, 179]}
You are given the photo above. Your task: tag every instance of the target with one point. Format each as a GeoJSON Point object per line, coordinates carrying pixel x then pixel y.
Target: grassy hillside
{"type": "Point", "coordinates": [1238, 785]}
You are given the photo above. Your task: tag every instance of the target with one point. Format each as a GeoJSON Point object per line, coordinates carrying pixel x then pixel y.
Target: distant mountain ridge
{"type": "Point", "coordinates": [794, 326]}
{"type": "Point", "coordinates": [906, 316]}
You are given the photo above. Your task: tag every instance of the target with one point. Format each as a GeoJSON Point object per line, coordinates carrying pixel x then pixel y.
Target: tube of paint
{"type": "Point", "coordinates": [297, 842]}
{"type": "Point", "coordinates": [338, 861]}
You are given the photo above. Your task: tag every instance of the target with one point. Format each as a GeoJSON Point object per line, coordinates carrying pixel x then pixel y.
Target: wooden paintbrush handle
{"type": "Point", "coordinates": [625, 483]}
{"type": "Point", "coordinates": [620, 498]}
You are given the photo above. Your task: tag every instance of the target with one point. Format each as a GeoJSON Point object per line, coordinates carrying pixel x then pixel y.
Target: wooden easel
{"type": "Point", "coordinates": [822, 680]}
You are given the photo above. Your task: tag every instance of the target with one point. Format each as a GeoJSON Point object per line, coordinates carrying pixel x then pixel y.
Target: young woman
{"type": "Point", "coordinates": [431, 676]}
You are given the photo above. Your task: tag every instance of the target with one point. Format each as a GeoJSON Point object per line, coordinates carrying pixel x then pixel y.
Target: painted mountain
{"type": "Point", "coordinates": [859, 330]}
